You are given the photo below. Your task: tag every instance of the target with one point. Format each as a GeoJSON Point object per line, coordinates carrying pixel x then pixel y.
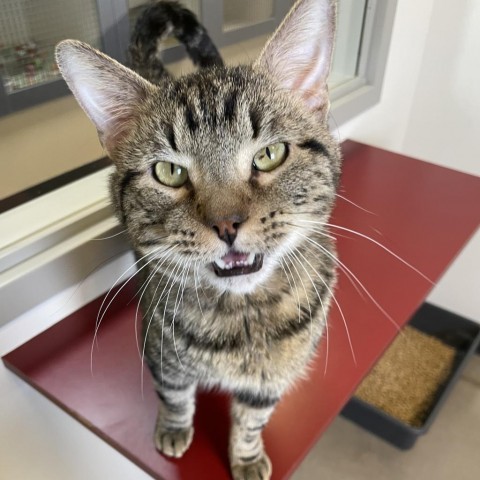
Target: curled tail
{"type": "Point", "coordinates": [155, 23]}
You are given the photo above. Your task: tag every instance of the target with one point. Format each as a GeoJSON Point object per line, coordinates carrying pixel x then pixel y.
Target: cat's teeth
{"type": "Point", "coordinates": [251, 259]}
{"type": "Point", "coordinates": [220, 263]}
{"type": "Point", "coordinates": [235, 263]}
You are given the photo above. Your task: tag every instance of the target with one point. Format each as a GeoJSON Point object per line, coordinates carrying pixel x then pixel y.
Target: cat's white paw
{"type": "Point", "coordinates": [260, 469]}
{"type": "Point", "coordinates": [173, 443]}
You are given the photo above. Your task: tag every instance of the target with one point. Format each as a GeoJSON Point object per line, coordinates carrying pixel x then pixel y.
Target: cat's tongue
{"type": "Point", "coordinates": [237, 263]}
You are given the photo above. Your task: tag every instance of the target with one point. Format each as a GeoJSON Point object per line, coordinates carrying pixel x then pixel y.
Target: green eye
{"type": "Point", "coordinates": [270, 157]}
{"type": "Point", "coordinates": [170, 174]}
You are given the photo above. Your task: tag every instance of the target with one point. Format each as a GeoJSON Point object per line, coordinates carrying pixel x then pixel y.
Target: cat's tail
{"type": "Point", "coordinates": [158, 21]}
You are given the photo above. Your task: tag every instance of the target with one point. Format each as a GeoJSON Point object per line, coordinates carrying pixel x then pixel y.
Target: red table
{"type": "Point", "coordinates": [424, 213]}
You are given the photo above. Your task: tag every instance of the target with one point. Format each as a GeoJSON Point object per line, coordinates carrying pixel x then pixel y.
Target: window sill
{"type": "Point", "coordinates": [49, 244]}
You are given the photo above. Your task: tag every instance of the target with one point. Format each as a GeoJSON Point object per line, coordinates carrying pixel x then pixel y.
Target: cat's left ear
{"type": "Point", "coordinates": [299, 54]}
{"type": "Point", "coordinates": [108, 92]}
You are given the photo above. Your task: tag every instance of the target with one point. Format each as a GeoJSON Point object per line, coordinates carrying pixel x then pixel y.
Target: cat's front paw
{"type": "Point", "coordinates": [259, 469]}
{"type": "Point", "coordinates": [173, 443]}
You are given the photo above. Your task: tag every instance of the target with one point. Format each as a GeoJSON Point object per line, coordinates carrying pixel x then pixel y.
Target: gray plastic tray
{"type": "Point", "coordinates": [460, 333]}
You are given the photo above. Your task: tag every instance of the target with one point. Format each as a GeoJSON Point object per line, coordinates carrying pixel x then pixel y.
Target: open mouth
{"type": "Point", "coordinates": [237, 263]}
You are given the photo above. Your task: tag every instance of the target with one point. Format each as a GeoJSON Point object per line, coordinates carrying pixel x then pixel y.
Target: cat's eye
{"type": "Point", "coordinates": [271, 157]}
{"type": "Point", "coordinates": [170, 174]}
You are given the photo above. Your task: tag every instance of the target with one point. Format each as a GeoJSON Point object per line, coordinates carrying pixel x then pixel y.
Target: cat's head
{"type": "Point", "coordinates": [220, 170]}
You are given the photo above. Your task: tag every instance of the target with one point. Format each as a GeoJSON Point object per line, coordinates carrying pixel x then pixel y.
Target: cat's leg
{"type": "Point", "coordinates": [250, 414]}
{"type": "Point", "coordinates": [174, 427]}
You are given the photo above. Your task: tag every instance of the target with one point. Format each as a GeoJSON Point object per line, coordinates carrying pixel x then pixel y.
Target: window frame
{"type": "Point", "coordinates": [40, 242]}
{"type": "Point", "coordinates": [365, 90]}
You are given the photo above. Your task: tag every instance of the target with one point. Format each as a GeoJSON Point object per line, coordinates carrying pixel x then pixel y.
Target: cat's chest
{"type": "Point", "coordinates": [248, 343]}
{"type": "Point", "coordinates": [244, 323]}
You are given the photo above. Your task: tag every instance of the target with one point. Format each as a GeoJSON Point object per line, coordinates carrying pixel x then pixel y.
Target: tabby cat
{"type": "Point", "coordinates": [219, 176]}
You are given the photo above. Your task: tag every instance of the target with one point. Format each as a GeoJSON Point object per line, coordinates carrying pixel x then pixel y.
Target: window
{"type": "Point", "coordinates": [45, 134]}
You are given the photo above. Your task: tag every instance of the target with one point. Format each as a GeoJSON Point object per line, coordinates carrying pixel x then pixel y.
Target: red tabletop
{"type": "Point", "coordinates": [423, 213]}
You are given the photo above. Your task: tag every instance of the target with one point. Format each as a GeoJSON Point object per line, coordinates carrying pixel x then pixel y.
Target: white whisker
{"type": "Point", "coordinates": [100, 317]}
{"type": "Point", "coordinates": [335, 259]}
{"type": "Point", "coordinates": [183, 279]}
{"type": "Point", "coordinates": [289, 257]}
{"type": "Point", "coordinates": [111, 236]}
{"type": "Point", "coordinates": [168, 254]}
{"type": "Point", "coordinates": [165, 309]}
{"type": "Point", "coordinates": [376, 243]}
{"type": "Point", "coordinates": [145, 287]}
{"type": "Point", "coordinates": [177, 265]}
{"type": "Point", "coordinates": [195, 272]}
{"type": "Point", "coordinates": [337, 304]}
{"type": "Point", "coordinates": [321, 305]}
{"type": "Point", "coordinates": [291, 288]}
{"type": "Point", "coordinates": [297, 292]}
{"type": "Point", "coordinates": [338, 262]}
{"type": "Point", "coordinates": [355, 205]}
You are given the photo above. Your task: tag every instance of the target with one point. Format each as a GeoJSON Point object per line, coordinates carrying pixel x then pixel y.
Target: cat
{"type": "Point", "coordinates": [221, 179]}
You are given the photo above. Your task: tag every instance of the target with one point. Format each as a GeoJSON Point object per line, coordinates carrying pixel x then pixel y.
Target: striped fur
{"type": "Point", "coordinates": [252, 334]}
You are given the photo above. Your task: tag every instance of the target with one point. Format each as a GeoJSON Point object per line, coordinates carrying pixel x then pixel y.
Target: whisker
{"type": "Point", "coordinates": [164, 313]}
{"type": "Point", "coordinates": [297, 292]}
{"type": "Point", "coordinates": [146, 283]}
{"type": "Point", "coordinates": [187, 275]}
{"type": "Point", "coordinates": [195, 272]}
{"type": "Point", "coordinates": [323, 232]}
{"type": "Point", "coordinates": [337, 304]}
{"type": "Point", "coordinates": [331, 225]}
{"type": "Point", "coordinates": [177, 265]}
{"type": "Point", "coordinates": [416, 270]}
{"type": "Point", "coordinates": [135, 324]}
{"type": "Point", "coordinates": [337, 129]}
{"type": "Point", "coordinates": [291, 288]}
{"type": "Point", "coordinates": [203, 291]}
{"type": "Point", "coordinates": [167, 251]}
{"type": "Point", "coordinates": [150, 278]}
{"type": "Point", "coordinates": [355, 204]}
{"type": "Point", "coordinates": [111, 236]}
{"type": "Point", "coordinates": [155, 251]}
{"type": "Point", "coordinates": [115, 283]}
{"type": "Point", "coordinates": [181, 289]}
{"type": "Point", "coordinates": [79, 285]}
{"type": "Point", "coordinates": [321, 305]}
{"type": "Point", "coordinates": [100, 317]}
{"type": "Point", "coordinates": [289, 257]}
{"type": "Point", "coordinates": [335, 259]}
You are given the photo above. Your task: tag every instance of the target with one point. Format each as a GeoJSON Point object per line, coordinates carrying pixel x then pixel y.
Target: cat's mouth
{"type": "Point", "coordinates": [237, 263]}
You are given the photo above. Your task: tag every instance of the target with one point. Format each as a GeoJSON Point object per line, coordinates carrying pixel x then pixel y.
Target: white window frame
{"type": "Point", "coordinates": [47, 245]}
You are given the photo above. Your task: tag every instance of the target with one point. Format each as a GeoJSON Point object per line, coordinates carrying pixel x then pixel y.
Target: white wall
{"type": "Point", "coordinates": [430, 109]}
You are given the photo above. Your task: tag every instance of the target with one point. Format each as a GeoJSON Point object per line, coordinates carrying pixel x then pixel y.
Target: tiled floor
{"type": "Point", "coordinates": [449, 451]}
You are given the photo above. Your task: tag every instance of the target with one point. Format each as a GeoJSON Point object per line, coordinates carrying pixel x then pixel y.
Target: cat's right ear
{"type": "Point", "coordinates": [108, 92]}
{"type": "Point", "coordinates": [299, 54]}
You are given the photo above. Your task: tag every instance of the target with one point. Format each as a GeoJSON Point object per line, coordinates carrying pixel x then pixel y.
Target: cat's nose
{"type": "Point", "coordinates": [227, 229]}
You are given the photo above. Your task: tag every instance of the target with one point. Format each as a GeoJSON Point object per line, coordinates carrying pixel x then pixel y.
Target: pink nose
{"type": "Point", "coordinates": [227, 229]}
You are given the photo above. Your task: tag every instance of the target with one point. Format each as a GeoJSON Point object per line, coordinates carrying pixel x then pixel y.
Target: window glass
{"type": "Point", "coordinates": [43, 137]}
{"type": "Point", "coordinates": [351, 17]}
{"type": "Point", "coordinates": [29, 31]}
{"type": "Point", "coordinates": [249, 12]}
{"type": "Point", "coordinates": [43, 132]}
